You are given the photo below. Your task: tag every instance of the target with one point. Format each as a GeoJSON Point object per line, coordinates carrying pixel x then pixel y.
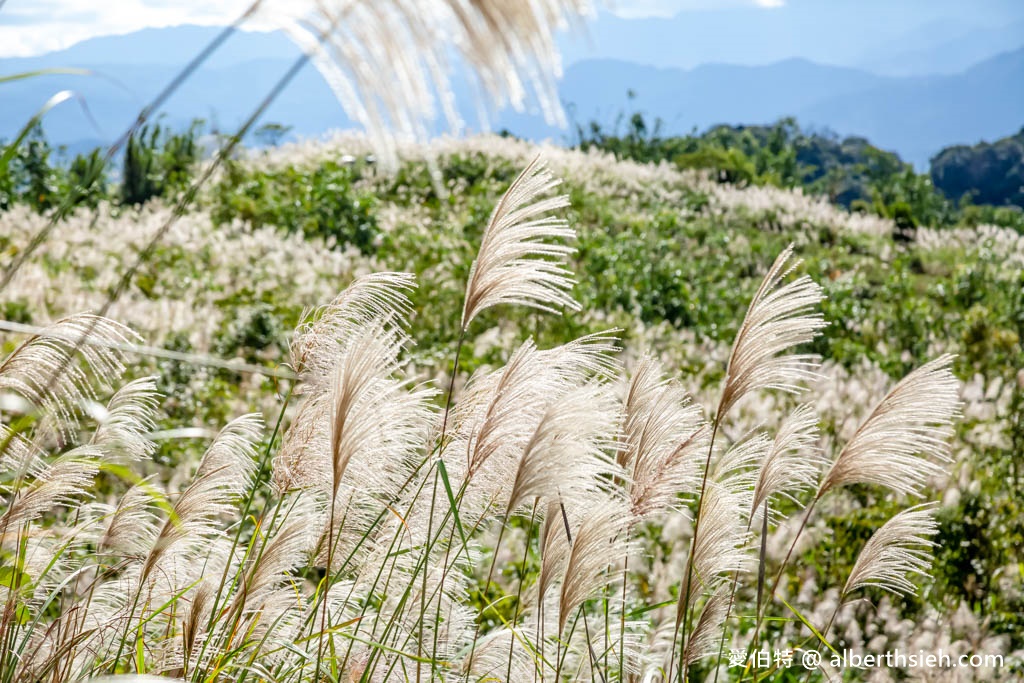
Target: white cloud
{"type": "Point", "coordinates": [670, 8]}
{"type": "Point", "coordinates": [34, 26]}
{"type": "Point", "coordinates": [30, 27]}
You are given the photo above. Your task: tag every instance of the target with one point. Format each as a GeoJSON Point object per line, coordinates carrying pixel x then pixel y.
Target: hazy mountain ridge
{"type": "Point", "coordinates": [913, 115]}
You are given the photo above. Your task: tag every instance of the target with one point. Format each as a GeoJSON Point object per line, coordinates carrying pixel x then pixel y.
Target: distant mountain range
{"type": "Point", "coordinates": [913, 115]}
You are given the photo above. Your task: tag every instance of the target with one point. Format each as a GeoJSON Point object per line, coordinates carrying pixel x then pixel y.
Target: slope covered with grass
{"type": "Point", "coordinates": [670, 258]}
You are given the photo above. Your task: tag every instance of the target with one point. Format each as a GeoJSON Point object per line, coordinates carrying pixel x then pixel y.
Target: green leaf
{"type": "Point", "coordinates": [11, 149]}
{"type": "Point", "coordinates": [810, 626]}
{"type": "Point", "coordinates": [12, 577]}
{"type": "Point", "coordinates": [45, 72]}
{"type": "Point", "coordinates": [443, 471]}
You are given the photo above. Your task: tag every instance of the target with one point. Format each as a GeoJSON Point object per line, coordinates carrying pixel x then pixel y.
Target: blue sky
{"type": "Point", "coordinates": [33, 26]}
{"type": "Point", "coordinates": [837, 31]}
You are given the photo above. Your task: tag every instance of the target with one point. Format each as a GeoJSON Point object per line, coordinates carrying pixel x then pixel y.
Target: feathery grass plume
{"type": "Point", "coordinates": [600, 542]}
{"type": "Point", "coordinates": [703, 642]}
{"type": "Point", "coordinates": [19, 457]}
{"type": "Point", "coordinates": [736, 468]}
{"type": "Point", "coordinates": [896, 552]}
{"type": "Point", "coordinates": [30, 371]}
{"type": "Point", "coordinates": [224, 472]}
{"type": "Point", "coordinates": [408, 45]}
{"type": "Point", "coordinates": [516, 264]}
{"type": "Point", "coordinates": [133, 524]}
{"type": "Point", "coordinates": [664, 440]}
{"type": "Point", "coordinates": [568, 448]}
{"type": "Point", "coordinates": [373, 297]}
{"type": "Point", "coordinates": [358, 413]}
{"type": "Point", "coordinates": [792, 464]}
{"type": "Point", "coordinates": [60, 482]}
{"type": "Point", "coordinates": [720, 547]}
{"type": "Point", "coordinates": [491, 656]}
{"type": "Point", "coordinates": [373, 413]}
{"type": "Point", "coordinates": [779, 318]}
{"type": "Point", "coordinates": [127, 421]}
{"type": "Point", "coordinates": [554, 549]}
{"type": "Point", "coordinates": [505, 407]}
{"type": "Point", "coordinates": [289, 542]}
{"type": "Point", "coordinates": [895, 445]}
{"type": "Point", "coordinates": [349, 357]}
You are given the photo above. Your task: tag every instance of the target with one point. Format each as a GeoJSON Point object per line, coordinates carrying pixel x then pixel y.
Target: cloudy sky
{"type": "Point", "coordinates": [30, 27]}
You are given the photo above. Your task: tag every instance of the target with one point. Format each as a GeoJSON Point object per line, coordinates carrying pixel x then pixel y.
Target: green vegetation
{"type": "Point", "coordinates": [664, 259]}
{"type": "Point", "coordinates": [971, 185]}
{"type": "Point", "coordinates": [988, 173]}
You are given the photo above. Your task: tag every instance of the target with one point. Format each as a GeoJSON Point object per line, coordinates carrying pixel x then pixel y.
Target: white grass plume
{"type": "Point", "coordinates": [735, 469]}
{"type": "Point", "coordinates": [600, 542]}
{"type": "Point", "coordinates": [63, 481]}
{"type": "Point", "coordinates": [291, 539]}
{"type": "Point", "coordinates": [127, 421]}
{"type": "Point", "coordinates": [720, 548]}
{"type": "Point", "coordinates": [568, 449]}
{"type": "Point", "coordinates": [505, 407]}
{"type": "Point", "coordinates": [518, 263]}
{"type": "Point", "coordinates": [224, 473]}
{"type": "Point", "coordinates": [792, 464]}
{"type": "Point", "coordinates": [897, 444]}
{"type": "Point", "coordinates": [410, 46]}
{"type": "Point", "coordinates": [665, 439]}
{"type": "Point", "coordinates": [373, 412]}
{"type": "Point", "coordinates": [703, 641]}
{"type": "Point", "coordinates": [779, 318]}
{"type": "Point", "coordinates": [373, 297]}
{"type": "Point", "coordinates": [132, 525]}
{"type": "Point", "coordinates": [44, 372]}
{"type": "Point", "coordinates": [896, 552]}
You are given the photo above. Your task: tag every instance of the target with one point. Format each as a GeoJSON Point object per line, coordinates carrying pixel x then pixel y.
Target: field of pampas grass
{"type": "Point", "coordinates": [481, 410]}
{"type": "Point", "coordinates": [491, 507]}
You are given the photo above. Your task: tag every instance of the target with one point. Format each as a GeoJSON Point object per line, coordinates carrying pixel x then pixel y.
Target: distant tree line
{"type": "Point", "coordinates": [966, 185]}
{"type": "Point", "coordinates": [158, 161]}
{"type": "Point", "coordinates": [989, 172]}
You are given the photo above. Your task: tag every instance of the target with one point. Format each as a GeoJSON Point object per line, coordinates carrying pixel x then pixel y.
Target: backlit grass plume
{"type": "Point", "coordinates": [521, 258]}
{"type": "Point", "coordinates": [390, 63]}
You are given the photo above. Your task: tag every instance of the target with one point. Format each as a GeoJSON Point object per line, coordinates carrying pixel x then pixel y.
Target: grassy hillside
{"type": "Point", "coordinates": [670, 258]}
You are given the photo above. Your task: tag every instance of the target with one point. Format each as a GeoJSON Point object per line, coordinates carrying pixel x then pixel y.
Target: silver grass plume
{"type": "Point", "coordinates": [349, 357]}
{"type": "Point", "coordinates": [779, 318]}
{"type": "Point", "coordinates": [899, 550]}
{"type": "Point", "coordinates": [374, 297]}
{"type": "Point", "coordinates": [406, 44]}
{"type": "Point", "coordinates": [490, 658]}
{"type": "Point", "coordinates": [793, 462]}
{"type": "Point", "coordinates": [224, 472]}
{"type": "Point", "coordinates": [290, 541]}
{"type": "Point", "coordinates": [736, 468]}
{"type": "Point", "coordinates": [133, 524]}
{"type": "Point", "coordinates": [127, 421]}
{"type": "Point", "coordinates": [599, 542]}
{"type": "Point", "coordinates": [703, 642]}
{"type": "Point", "coordinates": [568, 447]}
{"type": "Point", "coordinates": [505, 407]}
{"type": "Point", "coordinates": [719, 550]}
{"type": "Point", "coordinates": [554, 549]}
{"type": "Point", "coordinates": [43, 371]}
{"type": "Point", "coordinates": [374, 413]}
{"type": "Point", "coordinates": [517, 262]}
{"type": "Point", "coordinates": [665, 438]}
{"type": "Point", "coordinates": [895, 445]}
{"type": "Point", "coordinates": [48, 485]}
